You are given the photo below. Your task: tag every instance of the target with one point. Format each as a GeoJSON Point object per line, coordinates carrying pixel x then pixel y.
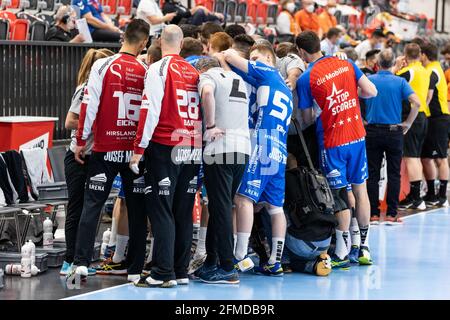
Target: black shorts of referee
{"type": "Point", "coordinates": [436, 140]}
{"type": "Point", "coordinates": [415, 137]}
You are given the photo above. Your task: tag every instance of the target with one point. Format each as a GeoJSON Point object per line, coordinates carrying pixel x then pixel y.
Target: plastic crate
{"type": "Point", "coordinates": [55, 255]}
{"type": "Point", "coordinates": [15, 258]}
{"type": "Point", "coordinates": [53, 191]}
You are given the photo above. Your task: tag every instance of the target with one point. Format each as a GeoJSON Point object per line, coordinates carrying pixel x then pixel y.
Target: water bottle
{"type": "Point", "coordinates": [13, 269]}
{"type": "Point", "coordinates": [25, 262]}
{"type": "Point", "coordinates": [105, 241]}
{"type": "Point", "coordinates": [33, 252]}
{"type": "Point", "coordinates": [48, 233]}
{"type": "Point", "coordinates": [34, 270]}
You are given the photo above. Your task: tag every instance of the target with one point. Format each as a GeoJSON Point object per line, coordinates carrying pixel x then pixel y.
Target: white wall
{"type": "Point", "coordinates": [428, 7]}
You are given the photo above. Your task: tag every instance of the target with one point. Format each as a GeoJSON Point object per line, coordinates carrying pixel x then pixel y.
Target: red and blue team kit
{"type": "Point", "coordinates": [329, 85]}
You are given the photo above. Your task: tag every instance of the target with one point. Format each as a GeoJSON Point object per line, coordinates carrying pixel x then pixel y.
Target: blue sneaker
{"type": "Point", "coordinates": [270, 269]}
{"type": "Point", "coordinates": [244, 264]}
{"type": "Point", "coordinates": [220, 276]}
{"type": "Point", "coordinates": [354, 254]}
{"type": "Point", "coordinates": [92, 271]}
{"type": "Point", "coordinates": [65, 269]}
{"type": "Point", "coordinates": [336, 262]}
{"type": "Point", "coordinates": [204, 269]}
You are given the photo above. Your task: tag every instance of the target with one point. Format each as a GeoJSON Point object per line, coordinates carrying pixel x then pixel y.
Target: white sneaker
{"type": "Point", "coordinates": [183, 281]}
{"type": "Point", "coordinates": [133, 277]}
{"type": "Point", "coordinates": [159, 283]}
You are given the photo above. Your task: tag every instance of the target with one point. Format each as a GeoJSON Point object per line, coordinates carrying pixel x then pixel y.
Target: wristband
{"type": "Point", "coordinates": [211, 127]}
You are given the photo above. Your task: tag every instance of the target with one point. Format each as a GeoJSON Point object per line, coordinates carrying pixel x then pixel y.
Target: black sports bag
{"type": "Point", "coordinates": [308, 200]}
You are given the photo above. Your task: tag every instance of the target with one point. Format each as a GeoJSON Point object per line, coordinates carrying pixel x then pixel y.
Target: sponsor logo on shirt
{"type": "Point", "coordinates": [118, 156]}
{"type": "Point", "coordinates": [255, 183]}
{"type": "Point", "coordinates": [193, 185]}
{"type": "Point", "coordinates": [164, 186]}
{"type": "Point", "coordinates": [139, 185]}
{"type": "Point", "coordinates": [101, 177]}
{"type": "Point", "coordinates": [340, 99]}
{"type": "Point", "coordinates": [148, 190]}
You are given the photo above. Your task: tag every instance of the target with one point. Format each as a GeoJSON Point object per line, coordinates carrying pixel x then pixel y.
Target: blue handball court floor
{"type": "Point", "coordinates": [411, 262]}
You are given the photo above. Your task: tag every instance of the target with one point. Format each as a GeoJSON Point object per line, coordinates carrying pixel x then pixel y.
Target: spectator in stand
{"type": "Point", "coordinates": [234, 30]}
{"type": "Point", "coordinates": [374, 42]}
{"type": "Point", "coordinates": [371, 62]}
{"type": "Point", "coordinates": [206, 31]}
{"type": "Point", "coordinates": [190, 31]}
{"type": "Point", "coordinates": [196, 16]}
{"type": "Point", "coordinates": [329, 45]}
{"type": "Point", "coordinates": [385, 131]}
{"type": "Point", "coordinates": [64, 24]}
{"type": "Point", "coordinates": [307, 19]}
{"type": "Point", "coordinates": [100, 25]}
{"type": "Point", "coordinates": [327, 20]}
{"type": "Point", "coordinates": [192, 51]}
{"type": "Point", "coordinates": [149, 11]}
{"type": "Point", "coordinates": [286, 23]}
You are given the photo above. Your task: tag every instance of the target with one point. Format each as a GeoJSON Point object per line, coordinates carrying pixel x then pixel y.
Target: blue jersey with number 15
{"type": "Point", "coordinates": [273, 98]}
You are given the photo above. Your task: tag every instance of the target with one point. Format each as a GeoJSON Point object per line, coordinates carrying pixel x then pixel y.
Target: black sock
{"type": "Point", "coordinates": [415, 190]}
{"type": "Point", "coordinates": [443, 189]}
{"type": "Point", "coordinates": [431, 189]}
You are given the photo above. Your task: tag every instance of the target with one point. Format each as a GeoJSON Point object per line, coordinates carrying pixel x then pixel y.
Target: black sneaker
{"type": "Point", "coordinates": [113, 268]}
{"type": "Point", "coordinates": [410, 203]}
{"type": "Point", "coordinates": [431, 200]}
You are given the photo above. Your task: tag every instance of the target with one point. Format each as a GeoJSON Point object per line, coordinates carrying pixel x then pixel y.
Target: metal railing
{"type": "Point", "coordinates": [39, 78]}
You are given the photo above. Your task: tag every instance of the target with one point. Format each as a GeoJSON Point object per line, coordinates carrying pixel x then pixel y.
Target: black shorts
{"type": "Point", "coordinates": [415, 137]}
{"type": "Point", "coordinates": [436, 141]}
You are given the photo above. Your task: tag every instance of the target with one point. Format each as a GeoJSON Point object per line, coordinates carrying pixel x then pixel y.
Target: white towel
{"type": "Point", "coordinates": [36, 163]}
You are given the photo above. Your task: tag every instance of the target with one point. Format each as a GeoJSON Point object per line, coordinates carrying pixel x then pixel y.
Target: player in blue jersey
{"type": "Point", "coordinates": [263, 182]}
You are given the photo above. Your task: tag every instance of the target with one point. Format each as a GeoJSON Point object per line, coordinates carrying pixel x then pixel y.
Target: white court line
{"type": "Point", "coordinates": [423, 212]}
{"type": "Point", "coordinates": [96, 291]}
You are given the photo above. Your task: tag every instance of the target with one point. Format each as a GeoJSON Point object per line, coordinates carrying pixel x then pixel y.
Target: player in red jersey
{"type": "Point", "coordinates": [170, 134]}
{"type": "Point", "coordinates": [330, 87]}
{"type": "Point", "coordinates": [110, 110]}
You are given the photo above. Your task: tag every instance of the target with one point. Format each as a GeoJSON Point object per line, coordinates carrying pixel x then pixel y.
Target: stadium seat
{"type": "Point", "coordinates": [241, 12]}
{"type": "Point", "coordinates": [38, 30]}
{"type": "Point", "coordinates": [124, 7]}
{"type": "Point", "coordinates": [231, 9]}
{"type": "Point", "coordinates": [272, 13]}
{"type": "Point", "coordinates": [209, 4]}
{"type": "Point", "coordinates": [46, 17]}
{"type": "Point", "coordinates": [50, 5]}
{"type": "Point", "coordinates": [4, 29]}
{"type": "Point", "coordinates": [19, 30]}
{"type": "Point", "coordinates": [27, 16]}
{"type": "Point", "coordinates": [252, 10]}
{"type": "Point", "coordinates": [109, 6]}
{"type": "Point", "coordinates": [13, 4]}
{"type": "Point", "coordinates": [33, 5]}
{"type": "Point", "coordinates": [220, 6]}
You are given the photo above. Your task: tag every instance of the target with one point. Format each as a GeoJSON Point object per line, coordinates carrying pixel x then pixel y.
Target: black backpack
{"type": "Point", "coordinates": [309, 202]}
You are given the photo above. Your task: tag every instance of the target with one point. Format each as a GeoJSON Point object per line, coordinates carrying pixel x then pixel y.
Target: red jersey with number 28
{"type": "Point", "coordinates": [331, 85]}
{"type": "Point", "coordinates": [170, 112]}
{"type": "Point", "coordinates": [111, 103]}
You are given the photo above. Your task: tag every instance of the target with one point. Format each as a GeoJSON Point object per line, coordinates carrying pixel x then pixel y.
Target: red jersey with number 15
{"type": "Point", "coordinates": [111, 104]}
{"type": "Point", "coordinates": [170, 112]}
{"type": "Point", "coordinates": [331, 86]}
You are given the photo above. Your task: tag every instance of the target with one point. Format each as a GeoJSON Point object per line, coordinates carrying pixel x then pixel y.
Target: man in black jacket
{"type": "Point", "coordinates": [64, 24]}
{"type": "Point", "coordinates": [196, 16]}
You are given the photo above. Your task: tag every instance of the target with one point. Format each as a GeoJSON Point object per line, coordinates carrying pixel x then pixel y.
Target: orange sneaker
{"type": "Point", "coordinates": [375, 220]}
{"type": "Point", "coordinates": [389, 220]}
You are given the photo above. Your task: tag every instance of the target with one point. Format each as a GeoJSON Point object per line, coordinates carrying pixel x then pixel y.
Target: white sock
{"type": "Point", "coordinates": [121, 245]}
{"type": "Point", "coordinates": [113, 238]}
{"type": "Point", "coordinates": [150, 252]}
{"type": "Point", "coordinates": [241, 245]}
{"type": "Point", "coordinates": [277, 250]}
{"type": "Point", "coordinates": [365, 235]}
{"type": "Point", "coordinates": [235, 242]}
{"type": "Point", "coordinates": [341, 244]}
{"type": "Point", "coordinates": [354, 233]}
{"type": "Point", "coordinates": [201, 248]}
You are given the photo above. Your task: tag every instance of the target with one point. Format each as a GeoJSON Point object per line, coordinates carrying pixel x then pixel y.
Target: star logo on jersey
{"type": "Point", "coordinates": [333, 96]}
